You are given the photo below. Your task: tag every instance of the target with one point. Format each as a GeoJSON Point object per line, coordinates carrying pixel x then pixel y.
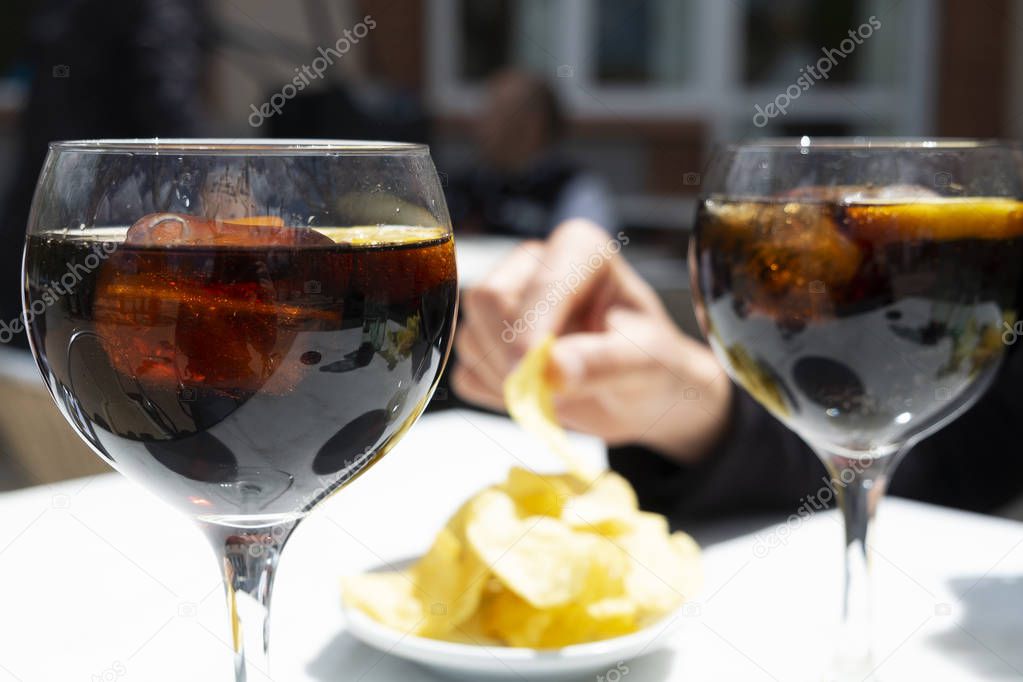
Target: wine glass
{"type": "Point", "coordinates": [242, 327]}
{"type": "Point", "coordinates": [859, 290]}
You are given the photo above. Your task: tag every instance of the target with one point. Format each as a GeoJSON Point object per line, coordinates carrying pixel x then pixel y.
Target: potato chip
{"type": "Point", "coordinates": [509, 618]}
{"type": "Point", "coordinates": [609, 567]}
{"type": "Point", "coordinates": [472, 632]}
{"type": "Point", "coordinates": [388, 598]}
{"type": "Point", "coordinates": [439, 593]}
{"type": "Point", "coordinates": [603, 507]}
{"type": "Point", "coordinates": [665, 569]}
{"type": "Point", "coordinates": [648, 524]}
{"type": "Point", "coordinates": [537, 494]}
{"type": "Point", "coordinates": [449, 581]}
{"type": "Point", "coordinates": [602, 619]}
{"type": "Point", "coordinates": [599, 611]}
{"type": "Point", "coordinates": [539, 558]}
{"type": "Point", "coordinates": [529, 398]}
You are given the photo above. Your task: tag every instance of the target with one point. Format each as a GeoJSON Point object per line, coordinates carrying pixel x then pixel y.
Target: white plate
{"type": "Point", "coordinates": [478, 662]}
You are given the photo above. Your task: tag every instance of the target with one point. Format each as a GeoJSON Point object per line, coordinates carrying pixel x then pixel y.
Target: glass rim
{"type": "Point", "coordinates": [869, 143]}
{"type": "Point", "coordinates": [240, 146]}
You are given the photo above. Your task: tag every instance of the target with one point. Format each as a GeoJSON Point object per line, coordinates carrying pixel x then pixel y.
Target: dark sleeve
{"type": "Point", "coordinates": [760, 465]}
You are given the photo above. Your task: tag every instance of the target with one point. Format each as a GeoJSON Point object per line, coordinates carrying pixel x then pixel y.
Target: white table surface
{"type": "Point", "coordinates": [99, 581]}
{"type": "Point", "coordinates": [478, 255]}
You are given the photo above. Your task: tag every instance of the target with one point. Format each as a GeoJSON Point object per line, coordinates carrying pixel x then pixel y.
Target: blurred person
{"type": "Point", "coordinates": [358, 111]}
{"type": "Point", "coordinates": [99, 68]}
{"type": "Point", "coordinates": [352, 98]}
{"type": "Point", "coordinates": [622, 370]}
{"type": "Point", "coordinates": [523, 185]}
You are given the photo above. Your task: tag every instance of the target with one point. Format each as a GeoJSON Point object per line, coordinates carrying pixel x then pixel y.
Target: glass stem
{"type": "Point", "coordinates": [248, 562]}
{"type": "Point", "coordinates": [859, 485]}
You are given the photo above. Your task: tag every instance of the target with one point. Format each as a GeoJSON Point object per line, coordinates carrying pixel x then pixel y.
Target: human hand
{"type": "Point", "coordinates": [622, 369]}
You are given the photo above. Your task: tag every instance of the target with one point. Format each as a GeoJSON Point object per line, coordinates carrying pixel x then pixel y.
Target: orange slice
{"type": "Point", "coordinates": [942, 219]}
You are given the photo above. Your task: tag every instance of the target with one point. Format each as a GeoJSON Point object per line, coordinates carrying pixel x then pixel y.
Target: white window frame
{"type": "Point", "coordinates": [717, 95]}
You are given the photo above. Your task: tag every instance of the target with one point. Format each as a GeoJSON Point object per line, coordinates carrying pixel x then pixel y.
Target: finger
{"type": "Point", "coordinates": [495, 309]}
{"type": "Point", "coordinates": [588, 361]}
{"type": "Point", "coordinates": [468, 386]}
{"type": "Point", "coordinates": [580, 414]}
{"type": "Point", "coordinates": [482, 361]}
{"type": "Point", "coordinates": [514, 272]}
{"type": "Point", "coordinates": [589, 414]}
{"type": "Point", "coordinates": [488, 334]}
{"type": "Point", "coordinates": [631, 289]}
{"type": "Point", "coordinates": [574, 263]}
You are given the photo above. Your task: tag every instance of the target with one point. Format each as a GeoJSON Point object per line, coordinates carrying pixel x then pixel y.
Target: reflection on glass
{"type": "Point", "coordinates": [860, 299]}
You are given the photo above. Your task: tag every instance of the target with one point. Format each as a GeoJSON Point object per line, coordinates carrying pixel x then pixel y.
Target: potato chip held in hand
{"type": "Point", "coordinates": [529, 398]}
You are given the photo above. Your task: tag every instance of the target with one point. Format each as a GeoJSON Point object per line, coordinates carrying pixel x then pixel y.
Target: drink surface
{"type": "Point", "coordinates": [859, 323]}
{"type": "Point", "coordinates": [247, 372]}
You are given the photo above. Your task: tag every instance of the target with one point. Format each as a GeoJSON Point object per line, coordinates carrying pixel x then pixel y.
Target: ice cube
{"type": "Point", "coordinates": [176, 229]}
{"type": "Point", "coordinates": [889, 194]}
{"type": "Point", "coordinates": [786, 259]}
{"type": "Point", "coordinates": [856, 194]}
{"type": "Point", "coordinates": [169, 319]}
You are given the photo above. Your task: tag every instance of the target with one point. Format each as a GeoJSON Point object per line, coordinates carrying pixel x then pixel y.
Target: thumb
{"type": "Point", "coordinates": [576, 262]}
{"type": "Point", "coordinates": [594, 361]}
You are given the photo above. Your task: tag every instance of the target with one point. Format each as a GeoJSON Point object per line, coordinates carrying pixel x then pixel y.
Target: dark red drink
{"type": "Point", "coordinates": [859, 321]}
{"type": "Point", "coordinates": [240, 369]}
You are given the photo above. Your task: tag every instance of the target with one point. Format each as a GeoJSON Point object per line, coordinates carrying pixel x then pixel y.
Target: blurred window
{"type": "Point", "coordinates": [485, 38]}
{"type": "Point", "coordinates": [783, 36]}
{"type": "Point", "coordinates": [645, 41]}
{"type": "Point", "coordinates": [498, 33]}
{"type": "Point", "coordinates": [713, 60]}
